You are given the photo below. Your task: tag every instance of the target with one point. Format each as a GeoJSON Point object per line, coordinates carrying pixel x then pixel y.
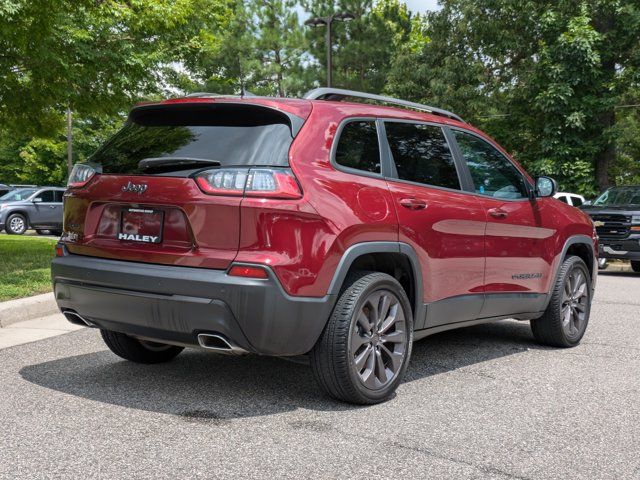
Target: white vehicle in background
{"type": "Point", "coordinates": [570, 198]}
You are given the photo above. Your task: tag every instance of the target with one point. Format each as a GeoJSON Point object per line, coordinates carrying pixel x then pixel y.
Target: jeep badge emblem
{"type": "Point", "coordinates": [138, 188]}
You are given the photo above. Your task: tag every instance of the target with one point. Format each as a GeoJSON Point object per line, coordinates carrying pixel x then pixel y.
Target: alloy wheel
{"type": "Point", "coordinates": [17, 225]}
{"type": "Point", "coordinates": [575, 302]}
{"type": "Point", "coordinates": [379, 340]}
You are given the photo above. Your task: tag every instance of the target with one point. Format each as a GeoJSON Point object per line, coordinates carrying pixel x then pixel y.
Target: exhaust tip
{"type": "Point", "coordinates": [220, 344]}
{"type": "Point", "coordinates": [77, 319]}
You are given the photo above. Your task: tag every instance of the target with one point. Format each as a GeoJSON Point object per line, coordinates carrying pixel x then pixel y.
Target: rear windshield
{"type": "Point", "coordinates": [226, 134]}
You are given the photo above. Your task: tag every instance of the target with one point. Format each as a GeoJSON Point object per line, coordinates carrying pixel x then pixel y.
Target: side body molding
{"type": "Point", "coordinates": [359, 249]}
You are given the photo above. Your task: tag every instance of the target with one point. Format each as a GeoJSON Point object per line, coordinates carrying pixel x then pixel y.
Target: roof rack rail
{"type": "Point", "coordinates": [338, 94]}
{"type": "Point", "coordinates": [203, 94]}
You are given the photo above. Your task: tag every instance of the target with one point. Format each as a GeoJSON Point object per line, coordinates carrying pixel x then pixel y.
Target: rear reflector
{"type": "Point", "coordinates": [255, 182]}
{"type": "Point", "coordinates": [60, 252]}
{"type": "Point", "coordinates": [248, 272]}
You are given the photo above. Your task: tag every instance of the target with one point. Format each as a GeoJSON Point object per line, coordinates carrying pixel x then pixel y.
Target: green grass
{"type": "Point", "coordinates": [25, 266]}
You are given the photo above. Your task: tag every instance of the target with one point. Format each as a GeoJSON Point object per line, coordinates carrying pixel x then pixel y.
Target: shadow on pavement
{"type": "Point", "coordinates": [204, 387]}
{"type": "Point", "coordinates": [614, 273]}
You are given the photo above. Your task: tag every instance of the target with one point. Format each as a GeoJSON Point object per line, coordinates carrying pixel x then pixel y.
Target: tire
{"type": "Point", "coordinates": [56, 233]}
{"type": "Point", "coordinates": [635, 265]}
{"type": "Point", "coordinates": [42, 232]}
{"type": "Point", "coordinates": [139, 351]}
{"type": "Point", "coordinates": [353, 343]}
{"type": "Point", "coordinates": [566, 318]}
{"type": "Point", "coordinates": [16, 224]}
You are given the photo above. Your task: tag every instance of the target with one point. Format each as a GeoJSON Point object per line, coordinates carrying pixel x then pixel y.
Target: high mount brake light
{"type": "Point", "coordinates": [80, 175]}
{"type": "Point", "coordinates": [254, 182]}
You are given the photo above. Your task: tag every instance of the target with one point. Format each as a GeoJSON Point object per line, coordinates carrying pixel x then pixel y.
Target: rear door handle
{"type": "Point", "coordinates": [498, 213]}
{"type": "Point", "coordinates": [413, 203]}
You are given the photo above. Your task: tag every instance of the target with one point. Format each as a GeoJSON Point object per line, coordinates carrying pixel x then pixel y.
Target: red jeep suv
{"type": "Point", "coordinates": [314, 226]}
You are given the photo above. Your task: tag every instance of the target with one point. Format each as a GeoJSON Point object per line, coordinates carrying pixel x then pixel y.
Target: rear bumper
{"type": "Point", "coordinates": [627, 249]}
{"type": "Point", "coordinates": [175, 304]}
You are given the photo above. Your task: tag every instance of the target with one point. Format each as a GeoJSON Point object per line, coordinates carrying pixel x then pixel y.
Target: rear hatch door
{"type": "Point", "coordinates": [143, 203]}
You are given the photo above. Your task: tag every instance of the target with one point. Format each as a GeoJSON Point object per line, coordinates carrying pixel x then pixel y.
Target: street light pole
{"type": "Point", "coordinates": [69, 141]}
{"type": "Point", "coordinates": [329, 53]}
{"type": "Point", "coordinates": [328, 22]}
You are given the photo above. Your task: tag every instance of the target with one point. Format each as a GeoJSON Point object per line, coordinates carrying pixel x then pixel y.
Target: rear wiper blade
{"type": "Point", "coordinates": [170, 164]}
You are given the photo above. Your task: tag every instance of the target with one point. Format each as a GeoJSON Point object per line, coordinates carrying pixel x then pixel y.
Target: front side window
{"type": "Point", "coordinates": [422, 155]}
{"type": "Point", "coordinates": [358, 146]}
{"type": "Point", "coordinates": [492, 173]}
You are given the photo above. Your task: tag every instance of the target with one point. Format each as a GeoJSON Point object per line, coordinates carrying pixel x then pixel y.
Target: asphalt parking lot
{"type": "Point", "coordinates": [482, 402]}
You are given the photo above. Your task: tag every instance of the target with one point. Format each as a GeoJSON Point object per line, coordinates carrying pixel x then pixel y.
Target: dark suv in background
{"type": "Point", "coordinates": [39, 208]}
{"type": "Point", "coordinates": [616, 215]}
{"type": "Point", "coordinates": [314, 226]}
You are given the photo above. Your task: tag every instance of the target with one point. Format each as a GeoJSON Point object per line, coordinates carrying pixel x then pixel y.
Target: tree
{"type": "Point", "coordinates": [363, 48]}
{"type": "Point", "coordinates": [260, 50]}
{"type": "Point", "coordinates": [95, 57]}
{"type": "Point", "coordinates": [40, 159]}
{"type": "Point", "coordinates": [279, 45]}
{"type": "Point", "coordinates": [223, 63]}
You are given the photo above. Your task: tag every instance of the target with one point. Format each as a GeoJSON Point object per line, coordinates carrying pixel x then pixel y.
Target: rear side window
{"type": "Point", "coordinates": [358, 146]}
{"type": "Point", "coordinates": [576, 201]}
{"type": "Point", "coordinates": [58, 196]}
{"type": "Point", "coordinates": [46, 196]}
{"type": "Point", "coordinates": [228, 134]}
{"type": "Point", "coordinates": [422, 155]}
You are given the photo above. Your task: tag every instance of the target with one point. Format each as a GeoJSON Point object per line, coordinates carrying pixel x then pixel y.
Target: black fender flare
{"type": "Point", "coordinates": [357, 250]}
{"type": "Point", "coordinates": [573, 240]}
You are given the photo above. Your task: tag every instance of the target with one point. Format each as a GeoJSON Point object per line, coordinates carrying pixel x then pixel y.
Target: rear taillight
{"type": "Point", "coordinates": [254, 182]}
{"type": "Point", "coordinates": [81, 174]}
{"type": "Point", "coordinates": [225, 181]}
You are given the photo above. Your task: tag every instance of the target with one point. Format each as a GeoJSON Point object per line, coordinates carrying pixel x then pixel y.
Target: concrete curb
{"type": "Point", "coordinates": [28, 308]}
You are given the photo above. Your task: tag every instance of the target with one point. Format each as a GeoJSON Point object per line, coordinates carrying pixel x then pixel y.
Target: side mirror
{"type": "Point", "coordinates": [546, 187]}
{"type": "Point", "coordinates": [37, 200]}
{"type": "Point", "coordinates": [586, 203]}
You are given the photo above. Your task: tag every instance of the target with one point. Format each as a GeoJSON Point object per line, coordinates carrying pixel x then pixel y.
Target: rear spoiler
{"type": "Point", "coordinates": [198, 113]}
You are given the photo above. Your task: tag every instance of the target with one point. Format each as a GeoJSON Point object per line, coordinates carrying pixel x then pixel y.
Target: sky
{"type": "Point", "coordinates": [422, 5]}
